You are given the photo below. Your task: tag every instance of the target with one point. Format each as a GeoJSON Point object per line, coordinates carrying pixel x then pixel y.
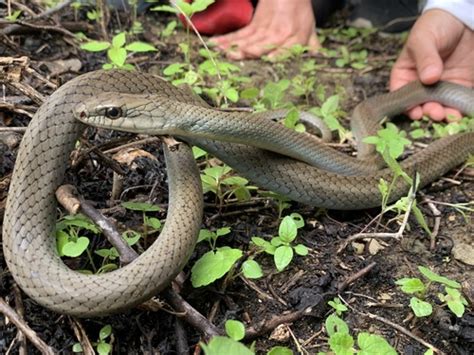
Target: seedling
{"type": "Point", "coordinates": [215, 263]}
{"type": "Point", "coordinates": [231, 345]}
{"type": "Point", "coordinates": [218, 180]}
{"type": "Point", "coordinates": [341, 341]}
{"type": "Point", "coordinates": [281, 246]}
{"type": "Point", "coordinates": [452, 297]}
{"type": "Point", "coordinates": [103, 344]}
{"type": "Point", "coordinates": [118, 50]}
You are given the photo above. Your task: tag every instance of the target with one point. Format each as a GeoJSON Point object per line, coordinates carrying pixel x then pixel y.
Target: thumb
{"type": "Point", "coordinates": [427, 59]}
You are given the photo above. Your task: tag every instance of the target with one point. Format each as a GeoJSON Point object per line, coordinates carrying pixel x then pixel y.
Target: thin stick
{"type": "Point", "coordinates": [25, 329]}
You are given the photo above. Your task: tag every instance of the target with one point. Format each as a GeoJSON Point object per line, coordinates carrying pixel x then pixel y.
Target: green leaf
{"type": "Point", "coordinates": [420, 308]}
{"type": "Point", "coordinates": [217, 172]}
{"type": "Point", "coordinates": [131, 237]}
{"type": "Point", "coordinates": [201, 5]}
{"type": "Point", "coordinates": [287, 230]}
{"type": "Point", "coordinates": [165, 8]}
{"type": "Point", "coordinates": [141, 206]}
{"type": "Point", "coordinates": [198, 152]}
{"type": "Point", "coordinates": [334, 324]}
{"type": "Point", "coordinates": [455, 301]}
{"type": "Point", "coordinates": [169, 29]}
{"type": "Point", "coordinates": [174, 68]}
{"type": "Point", "coordinates": [105, 332]}
{"type": "Point", "coordinates": [338, 306]}
{"type": "Point", "coordinates": [298, 219]}
{"type": "Point", "coordinates": [117, 56]}
{"type": "Point", "coordinates": [105, 253]}
{"type": "Point", "coordinates": [153, 222]}
{"type": "Point", "coordinates": [301, 250]}
{"type": "Point", "coordinates": [420, 218]}
{"type": "Point", "coordinates": [358, 65]}
{"type": "Point", "coordinates": [266, 246]}
{"type": "Point", "coordinates": [75, 248]}
{"type": "Point", "coordinates": [205, 234]}
{"type": "Point", "coordinates": [119, 40]}
{"type": "Point", "coordinates": [61, 239]}
{"type": "Point", "coordinates": [330, 106]}
{"type": "Point", "coordinates": [280, 350]}
{"type": "Point", "coordinates": [249, 94]}
{"type": "Point", "coordinates": [372, 344]}
{"type": "Point", "coordinates": [341, 343]}
{"type": "Point", "coordinates": [77, 348]}
{"type": "Point", "coordinates": [139, 47]}
{"type": "Point", "coordinates": [185, 7]}
{"type": "Point", "coordinates": [432, 276]}
{"type": "Point", "coordinates": [235, 180]}
{"type": "Point", "coordinates": [411, 285]}
{"type": "Point", "coordinates": [95, 46]}
{"type": "Point", "coordinates": [213, 265]}
{"type": "Point", "coordinates": [283, 256]}
{"type": "Point", "coordinates": [235, 329]}
{"type": "Point", "coordinates": [103, 348]}
{"type": "Point", "coordinates": [251, 269]}
{"type": "Point", "coordinates": [222, 231]}
{"type": "Point", "coordinates": [232, 94]}
{"type": "Point", "coordinates": [222, 345]}
{"type": "Point", "coordinates": [78, 220]}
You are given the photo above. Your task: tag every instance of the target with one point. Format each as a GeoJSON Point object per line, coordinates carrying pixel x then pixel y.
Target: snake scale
{"type": "Point", "coordinates": [30, 216]}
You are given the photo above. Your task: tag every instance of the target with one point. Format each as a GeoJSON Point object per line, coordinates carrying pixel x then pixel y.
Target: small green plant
{"type": "Point", "coordinates": [111, 254]}
{"type": "Point", "coordinates": [148, 222]}
{"type": "Point", "coordinates": [103, 344]}
{"type": "Point", "coordinates": [218, 179]}
{"type": "Point", "coordinates": [354, 59]}
{"type": "Point", "coordinates": [341, 341]}
{"type": "Point", "coordinates": [451, 297]}
{"type": "Point", "coordinates": [69, 239]}
{"type": "Point", "coordinates": [331, 113]}
{"type": "Point", "coordinates": [118, 50]}
{"type": "Point", "coordinates": [169, 29]}
{"type": "Point", "coordinates": [215, 263]}
{"type": "Point", "coordinates": [281, 246]}
{"type": "Point", "coordinates": [231, 345]}
{"type": "Point", "coordinates": [390, 142]}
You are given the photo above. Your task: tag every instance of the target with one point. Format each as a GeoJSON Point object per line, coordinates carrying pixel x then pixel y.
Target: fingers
{"type": "Point", "coordinates": [435, 111]}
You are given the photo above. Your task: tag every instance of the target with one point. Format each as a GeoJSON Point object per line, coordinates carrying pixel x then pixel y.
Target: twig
{"type": "Point", "coordinates": [361, 273]}
{"type": "Point", "coordinates": [21, 324]}
{"type": "Point", "coordinates": [14, 27]}
{"type": "Point", "coordinates": [190, 314]}
{"type": "Point", "coordinates": [21, 312]}
{"type": "Point", "coordinates": [82, 337]}
{"type": "Point", "coordinates": [13, 129]}
{"type": "Point", "coordinates": [437, 221]}
{"type": "Point", "coordinates": [396, 235]}
{"type": "Point", "coordinates": [66, 196]}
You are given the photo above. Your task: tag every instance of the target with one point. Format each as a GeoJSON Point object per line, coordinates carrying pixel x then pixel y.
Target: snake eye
{"type": "Point", "coordinates": [113, 112]}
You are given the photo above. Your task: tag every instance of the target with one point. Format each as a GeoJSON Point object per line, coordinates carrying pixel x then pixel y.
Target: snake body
{"type": "Point", "coordinates": [29, 246]}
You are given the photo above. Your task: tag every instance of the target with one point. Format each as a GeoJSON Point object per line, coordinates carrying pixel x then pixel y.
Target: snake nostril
{"type": "Point", "coordinates": [83, 114]}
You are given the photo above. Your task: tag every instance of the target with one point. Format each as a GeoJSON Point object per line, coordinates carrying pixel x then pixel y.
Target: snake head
{"type": "Point", "coordinates": [111, 110]}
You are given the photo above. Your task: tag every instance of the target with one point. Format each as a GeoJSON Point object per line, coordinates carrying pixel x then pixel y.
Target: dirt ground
{"type": "Point", "coordinates": [309, 282]}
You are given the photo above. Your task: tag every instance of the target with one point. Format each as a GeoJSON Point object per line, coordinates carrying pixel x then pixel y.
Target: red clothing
{"type": "Point", "coordinates": [222, 17]}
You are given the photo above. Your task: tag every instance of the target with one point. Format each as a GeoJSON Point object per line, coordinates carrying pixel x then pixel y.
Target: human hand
{"type": "Point", "coordinates": [439, 47]}
{"type": "Point", "coordinates": [277, 24]}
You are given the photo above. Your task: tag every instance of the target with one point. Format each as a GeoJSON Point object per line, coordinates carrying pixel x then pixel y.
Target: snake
{"type": "Point", "coordinates": [141, 102]}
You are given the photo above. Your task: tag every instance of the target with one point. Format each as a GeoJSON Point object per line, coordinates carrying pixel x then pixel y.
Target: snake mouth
{"type": "Point", "coordinates": [80, 112]}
